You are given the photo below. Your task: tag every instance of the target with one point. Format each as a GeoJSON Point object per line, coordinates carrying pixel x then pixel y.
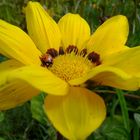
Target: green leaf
{"type": "Point", "coordinates": [112, 129]}
{"type": "Point", "coordinates": [137, 119]}
{"type": "Point", "coordinates": [2, 138]}
{"type": "Point", "coordinates": [1, 116]}
{"type": "Point", "coordinates": [37, 108]}
{"type": "Point", "coordinates": [38, 114]}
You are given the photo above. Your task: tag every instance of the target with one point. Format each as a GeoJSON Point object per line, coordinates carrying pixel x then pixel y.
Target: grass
{"type": "Point", "coordinates": [28, 122]}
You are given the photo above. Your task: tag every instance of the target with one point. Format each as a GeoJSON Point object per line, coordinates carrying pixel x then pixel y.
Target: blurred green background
{"type": "Point", "coordinates": [28, 121]}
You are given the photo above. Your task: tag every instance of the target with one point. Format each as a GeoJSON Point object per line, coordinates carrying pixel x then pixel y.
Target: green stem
{"type": "Point", "coordinates": [123, 109]}
{"type": "Point", "coordinates": [136, 132]}
{"type": "Point", "coordinates": [115, 104]}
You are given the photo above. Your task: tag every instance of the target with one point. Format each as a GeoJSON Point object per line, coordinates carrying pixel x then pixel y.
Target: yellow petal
{"type": "Point", "coordinates": [110, 37]}
{"type": "Point", "coordinates": [75, 30]}
{"type": "Point", "coordinates": [14, 43]}
{"type": "Point", "coordinates": [15, 92]}
{"type": "Point", "coordinates": [6, 67]}
{"type": "Point", "coordinates": [110, 76]}
{"type": "Point", "coordinates": [77, 114]}
{"type": "Point", "coordinates": [40, 78]}
{"type": "Point", "coordinates": [41, 27]}
{"type": "Point", "coordinates": [113, 80]}
{"type": "Point", "coordinates": [127, 60]}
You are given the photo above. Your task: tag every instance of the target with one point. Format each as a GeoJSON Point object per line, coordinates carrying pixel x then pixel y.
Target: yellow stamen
{"type": "Point", "coordinates": [70, 66]}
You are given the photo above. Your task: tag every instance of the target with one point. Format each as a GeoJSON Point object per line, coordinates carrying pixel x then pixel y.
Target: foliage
{"type": "Point", "coordinates": [123, 117]}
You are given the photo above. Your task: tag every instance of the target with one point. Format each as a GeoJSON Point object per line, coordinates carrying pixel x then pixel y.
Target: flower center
{"type": "Point", "coordinates": [69, 64]}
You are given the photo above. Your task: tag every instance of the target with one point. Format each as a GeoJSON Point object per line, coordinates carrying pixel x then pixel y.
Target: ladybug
{"type": "Point", "coordinates": [47, 60]}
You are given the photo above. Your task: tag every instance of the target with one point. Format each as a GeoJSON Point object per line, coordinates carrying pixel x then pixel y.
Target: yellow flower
{"type": "Point", "coordinates": [64, 58]}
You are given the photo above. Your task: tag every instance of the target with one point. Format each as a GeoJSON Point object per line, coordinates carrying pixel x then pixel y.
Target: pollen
{"type": "Point", "coordinates": [70, 66]}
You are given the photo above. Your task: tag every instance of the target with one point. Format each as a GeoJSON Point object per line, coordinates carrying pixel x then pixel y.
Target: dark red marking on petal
{"type": "Point", "coordinates": [52, 52]}
{"type": "Point", "coordinates": [83, 52]}
{"type": "Point", "coordinates": [61, 51]}
{"type": "Point", "coordinates": [72, 48]}
{"type": "Point", "coordinates": [94, 58]}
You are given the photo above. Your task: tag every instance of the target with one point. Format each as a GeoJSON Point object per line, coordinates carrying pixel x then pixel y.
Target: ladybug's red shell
{"type": "Point", "coordinates": [46, 60]}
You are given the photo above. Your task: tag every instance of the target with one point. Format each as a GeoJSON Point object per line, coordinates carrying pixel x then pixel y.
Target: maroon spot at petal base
{"type": "Point", "coordinates": [83, 52]}
{"type": "Point", "coordinates": [72, 48]}
{"type": "Point", "coordinates": [61, 51]}
{"type": "Point", "coordinates": [52, 52]}
{"type": "Point", "coordinates": [94, 58]}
